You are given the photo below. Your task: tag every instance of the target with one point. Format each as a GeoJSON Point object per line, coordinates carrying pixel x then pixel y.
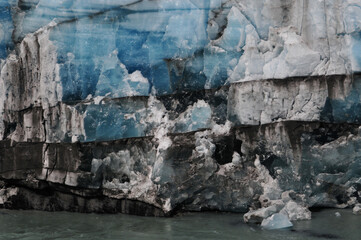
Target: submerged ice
{"type": "Point", "coordinates": [276, 221]}
{"type": "Point", "coordinates": [231, 105]}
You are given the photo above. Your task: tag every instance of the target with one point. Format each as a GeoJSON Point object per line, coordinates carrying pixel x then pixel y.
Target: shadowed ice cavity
{"type": "Point", "coordinates": [344, 109]}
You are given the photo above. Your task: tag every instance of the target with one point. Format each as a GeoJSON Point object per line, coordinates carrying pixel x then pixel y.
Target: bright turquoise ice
{"type": "Point", "coordinates": [114, 121]}
{"type": "Point", "coordinates": [356, 50]}
{"type": "Point", "coordinates": [167, 41]}
{"type": "Point", "coordinates": [276, 221]}
{"type": "Point", "coordinates": [6, 27]}
{"type": "Point", "coordinates": [136, 41]}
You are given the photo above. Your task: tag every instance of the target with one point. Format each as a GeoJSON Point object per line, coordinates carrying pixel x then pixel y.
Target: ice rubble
{"type": "Point", "coordinates": [278, 207]}
{"type": "Point", "coordinates": [357, 209]}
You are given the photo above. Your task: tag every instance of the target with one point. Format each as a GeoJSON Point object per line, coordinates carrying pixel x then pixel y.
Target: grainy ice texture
{"type": "Point", "coordinates": [154, 107]}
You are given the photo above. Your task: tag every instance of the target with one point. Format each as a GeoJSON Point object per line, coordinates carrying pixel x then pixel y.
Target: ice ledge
{"type": "Point", "coordinates": [332, 99]}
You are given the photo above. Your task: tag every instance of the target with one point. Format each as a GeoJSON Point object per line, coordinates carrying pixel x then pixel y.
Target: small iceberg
{"type": "Point", "coordinates": [276, 221]}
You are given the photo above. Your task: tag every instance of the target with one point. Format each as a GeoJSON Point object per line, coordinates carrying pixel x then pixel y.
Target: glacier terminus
{"type": "Point", "coordinates": [153, 107]}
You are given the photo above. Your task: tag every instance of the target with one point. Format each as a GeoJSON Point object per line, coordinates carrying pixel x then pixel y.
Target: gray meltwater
{"type": "Point", "coordinates": [63, 225]}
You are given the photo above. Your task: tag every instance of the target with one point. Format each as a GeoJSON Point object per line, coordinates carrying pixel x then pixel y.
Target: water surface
{"type": "Point", "coordinates": [31, 225]}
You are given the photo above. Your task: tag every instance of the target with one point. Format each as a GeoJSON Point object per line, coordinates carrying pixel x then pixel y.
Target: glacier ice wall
{"type": "Point", "coordinates": [162, 106]}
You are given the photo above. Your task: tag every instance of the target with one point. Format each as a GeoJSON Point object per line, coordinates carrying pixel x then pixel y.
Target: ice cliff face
{"type": "Point", "coordinates": [153, 107]}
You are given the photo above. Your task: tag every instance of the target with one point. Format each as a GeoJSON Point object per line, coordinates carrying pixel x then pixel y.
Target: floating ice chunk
{"type": "Point", "coordinates": [276, 221]}
{"type": "Point", "coordinates": [357, 209]}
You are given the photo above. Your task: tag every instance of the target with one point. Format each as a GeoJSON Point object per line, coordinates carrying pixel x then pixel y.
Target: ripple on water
{"type": "Point", "coordinates": [31, 225]}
